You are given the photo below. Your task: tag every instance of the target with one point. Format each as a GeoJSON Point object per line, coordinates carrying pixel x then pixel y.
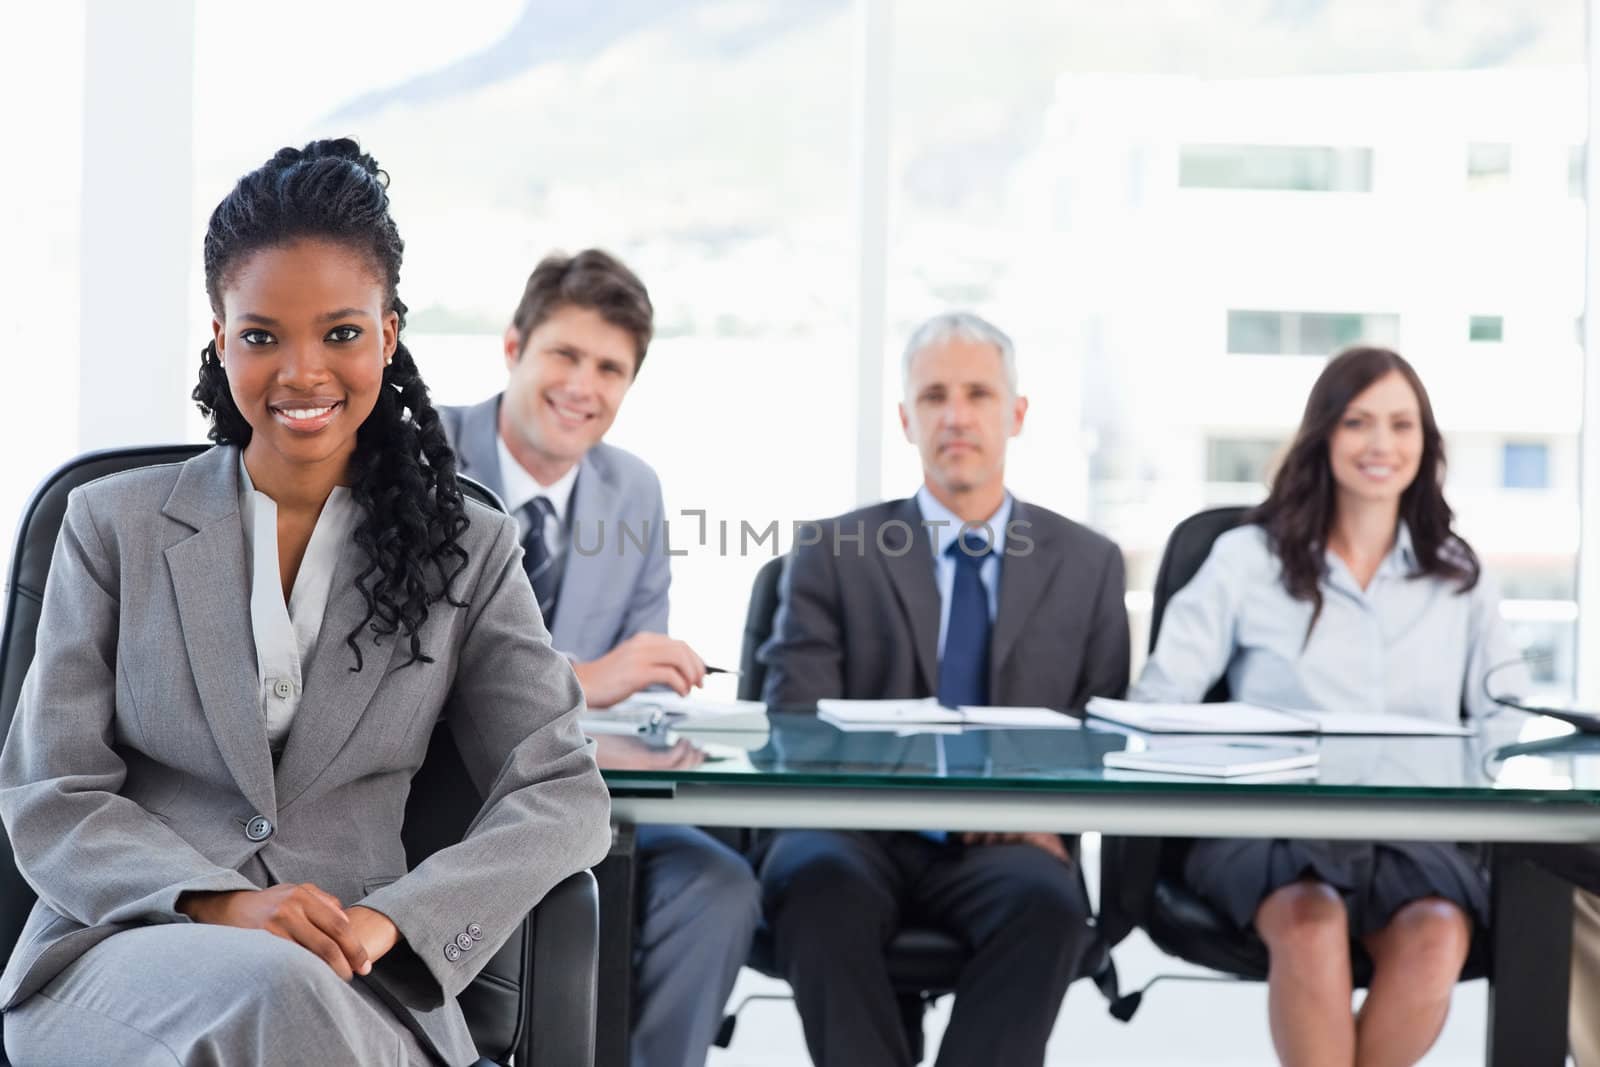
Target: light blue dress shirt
{"type": "Point", "coordinates": [1408, 645]}
{"type": "Point", "coordinates": [941, 537]}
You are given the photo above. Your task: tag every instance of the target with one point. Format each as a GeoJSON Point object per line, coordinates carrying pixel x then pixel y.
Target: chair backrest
{"type": "Point", "coordinates": [1130, 866]}
{"type": "Point", "coordinates": [758, 627]}
{"type": "Point", "coordinates": [1186, 550]}
{"type": "Point", "coordinates": [442, 803]}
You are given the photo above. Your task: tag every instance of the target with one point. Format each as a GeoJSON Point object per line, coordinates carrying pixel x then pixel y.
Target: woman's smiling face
{"type": "Point", "coordinates": [304, 337]}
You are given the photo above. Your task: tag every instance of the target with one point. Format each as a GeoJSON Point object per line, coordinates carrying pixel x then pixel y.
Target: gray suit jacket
{"type": "Point", "coordinates": [139, 754]}
{"type": "Point", "coordinates": [861, 623]}
{"type": "Point", "coordinates": [612, 588]}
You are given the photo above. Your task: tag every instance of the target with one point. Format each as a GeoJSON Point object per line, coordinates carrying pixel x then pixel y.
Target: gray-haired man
{"type": "Point", "coordinates": [965, 593]}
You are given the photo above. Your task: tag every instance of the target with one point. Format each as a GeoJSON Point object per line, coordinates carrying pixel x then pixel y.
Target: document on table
{"type": "Point", "coordinates": [1235, 717]}
{"type": "Point", "coordinates": [1231, 717]}
{"type": "Point", "coordinates": [667, 710]}
{"type": "Point", "coordinates": [1211, 760]}
{"type": "Point", "coordinates": [928, 712]}
{"type": "Point", "coordinates": [1368, 722]}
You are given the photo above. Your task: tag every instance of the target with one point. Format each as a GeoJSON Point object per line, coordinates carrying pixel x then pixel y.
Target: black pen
{"type": "Point", "coordinates": [720, 670]}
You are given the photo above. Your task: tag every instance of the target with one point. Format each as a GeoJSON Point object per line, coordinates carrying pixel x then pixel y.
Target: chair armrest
{"type": "Point", "coordinates": [559, 1025]}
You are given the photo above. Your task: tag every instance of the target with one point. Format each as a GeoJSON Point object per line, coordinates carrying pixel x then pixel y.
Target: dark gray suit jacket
{"type": "Point", "coordinates": [139, 756]}
{"type": "Point", "coordinates": [863, 623]}
{"type": "Point", "coordinates": [611, 588]}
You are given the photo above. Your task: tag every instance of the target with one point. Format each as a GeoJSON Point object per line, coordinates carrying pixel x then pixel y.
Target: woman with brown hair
{"type": "Point", "coordinates": [1347, 589]}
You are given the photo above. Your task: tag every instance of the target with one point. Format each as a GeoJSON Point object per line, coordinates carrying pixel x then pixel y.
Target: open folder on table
{"type": "Point", "coordinates": [1234, 717]}
{"type": "Point", "coordinates": [928, 712]}
{"type": "Point", "coordinates": [651, 711]}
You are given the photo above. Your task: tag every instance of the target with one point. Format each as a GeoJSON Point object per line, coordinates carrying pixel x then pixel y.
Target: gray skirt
{"type": "Point", "coordinates": [1375, 878]}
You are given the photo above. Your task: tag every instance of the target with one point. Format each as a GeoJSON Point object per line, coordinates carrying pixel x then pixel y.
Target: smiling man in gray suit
{"type": "Point", "coordinates": [965, 593]}
{"type": "Point", "coordinates": [594, 548]}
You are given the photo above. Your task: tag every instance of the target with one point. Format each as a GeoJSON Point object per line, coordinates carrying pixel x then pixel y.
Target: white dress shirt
{"type": "Point", "coordinates": [286, 634]}
{"type": "Point", "coordinates": [940, 539]}
{"type": "Point", "coordinates": [1409, 645]}
{"type": "Point", "coordinates": [521, 487]}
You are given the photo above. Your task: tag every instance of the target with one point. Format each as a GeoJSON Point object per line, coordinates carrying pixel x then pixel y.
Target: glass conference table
{"type": "Point", "coordinates": [1530, 802]}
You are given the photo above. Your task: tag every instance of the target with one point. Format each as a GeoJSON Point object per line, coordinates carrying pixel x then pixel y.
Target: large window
{"type": "Point", "coordinates": [1156, 207]}
{"type": "Point", "coordinates": [705, 143]}
{"type": "Point", "coordinates": [1153, 207]}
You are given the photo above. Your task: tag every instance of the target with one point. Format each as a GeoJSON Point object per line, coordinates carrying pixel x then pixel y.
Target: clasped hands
{"type": "Point", "coordinates": [350, 940]}
{"type": "Point", "coordinates": [1050, 843]}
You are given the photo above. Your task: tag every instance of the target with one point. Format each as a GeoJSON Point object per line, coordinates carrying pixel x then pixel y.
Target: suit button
{"type": "Point", "coordinates": [283, 689]}
{"type": "Point", "coordinates": [452, 953]}
{"type": "Point", "coordinates": [475, 931]}
{"type": "Point", "coordinates": [258, 828]}
{"type": "Point", "coordinates": [463, 942]}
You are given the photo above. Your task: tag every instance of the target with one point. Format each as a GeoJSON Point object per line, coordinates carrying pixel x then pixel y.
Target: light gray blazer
{"type": "Point", "coordinates": [612, 589]}
{"type": "Point", "coordinates": [138, 756]}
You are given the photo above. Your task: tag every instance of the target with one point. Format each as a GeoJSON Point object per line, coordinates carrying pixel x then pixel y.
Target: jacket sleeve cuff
{"type": "Point", "coordinates": [453, 957]}
{"type": "Point", "coordinates": [163, 906]}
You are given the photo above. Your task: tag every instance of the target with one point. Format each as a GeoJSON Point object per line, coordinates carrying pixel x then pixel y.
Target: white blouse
{"type": "Point", "coordinates": [1417, 646]}
{"type": "Point", "coordinates": [286, 634]}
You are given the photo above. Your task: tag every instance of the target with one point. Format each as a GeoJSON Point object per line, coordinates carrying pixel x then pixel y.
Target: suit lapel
{"type": "Point", "coordinates": [477, 452]}
{"type": "Point", "coordinates": [910, 567]}
{"type": "Point", "coordinates": [1023, 580]}
{"type": "Point", "coordinates": [591, 549]}
{"type": "Point", "coordinates": [335, 696]}
{"type": "Point", "coordinates": [212, 587]}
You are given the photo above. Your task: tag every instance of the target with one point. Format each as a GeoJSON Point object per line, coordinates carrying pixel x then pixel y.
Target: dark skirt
{"type": "Point", "coordinates": [1375, 878]}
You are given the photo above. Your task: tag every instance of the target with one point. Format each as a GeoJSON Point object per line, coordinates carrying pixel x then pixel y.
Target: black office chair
{"type": "Point", "coordinates": [1141, 878]}
{"type": "Point", "coordinates": [924, 963]}
{"type": "Point", "coordinates": [535, 998]}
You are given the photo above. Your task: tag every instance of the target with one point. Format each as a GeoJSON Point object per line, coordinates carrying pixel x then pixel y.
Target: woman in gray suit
{"type": "Point", "coordinates": [240, 663]}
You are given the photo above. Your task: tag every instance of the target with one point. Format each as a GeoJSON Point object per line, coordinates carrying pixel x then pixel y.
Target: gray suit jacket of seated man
{"type": "Point", "coordinates": [612, 588]}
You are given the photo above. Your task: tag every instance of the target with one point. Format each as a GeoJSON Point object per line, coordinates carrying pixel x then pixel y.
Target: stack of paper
{"type": "Point", "coordinates": [929, 713]}
{"type": "Point", "coordinates": [1217, 760]}
{"type": "Point", "coordinates": [1239, 718]}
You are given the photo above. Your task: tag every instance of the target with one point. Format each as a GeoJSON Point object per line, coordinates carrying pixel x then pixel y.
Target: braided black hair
{"type": "Point", "coordinates": [403, 473]}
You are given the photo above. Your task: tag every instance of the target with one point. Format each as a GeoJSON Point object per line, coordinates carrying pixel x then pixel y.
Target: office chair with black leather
{"type": "Point", "coordinates": [534, 999]}
{"type": "Point", "coordinates": [1141, 883]}
{"type": "Point", "coordinates": [924, 963]}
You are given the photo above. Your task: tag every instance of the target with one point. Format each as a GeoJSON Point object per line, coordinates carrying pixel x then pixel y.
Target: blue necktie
{"type": "Point", "coordinates": [537, 559]}
{"type": "Point", "coordinates": [964, 664]}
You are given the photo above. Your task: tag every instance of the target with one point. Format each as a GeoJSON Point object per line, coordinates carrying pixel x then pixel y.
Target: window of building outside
{"type": "Point", "coordinates": [1486, 328]}
{"type": "Point", "coordinates": [1307, 168]}
{"type": "Point", "coordinates": [1488, 165]}
{"type": "Point", "coordinates": [1525, 465]}
{"type": "Point", "coordinates": [1307, 333]}
{"type": "Point", "coordinates": [1241, 460]}
{"type": "Point", "coordinates": [1140, 202]}
{"type": "Point", "coordinates": [706, 143]}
